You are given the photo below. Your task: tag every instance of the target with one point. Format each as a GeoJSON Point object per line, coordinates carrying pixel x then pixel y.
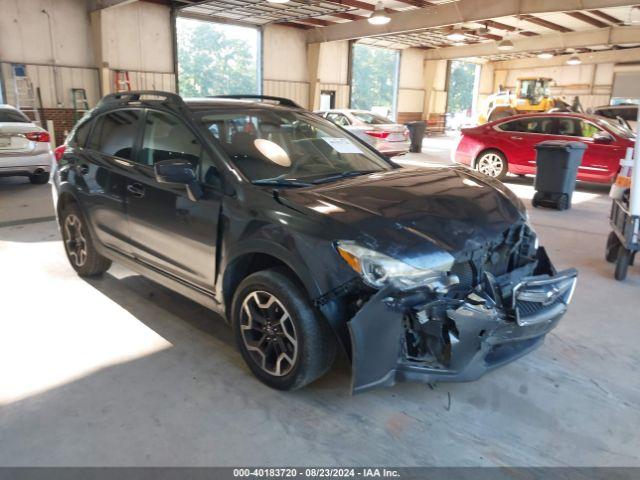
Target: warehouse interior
{"type": "Point", "coordinates": [120, 371]}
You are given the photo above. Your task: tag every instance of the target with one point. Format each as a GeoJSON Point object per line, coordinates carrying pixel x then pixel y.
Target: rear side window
{"type": "Point", "coordinates": [115, 133]}
{"type": "Point", "coordinates": [81, 135]}
{"type": "Point", "coordinates": [529, 125]}
{"type": "Point", "coordinates": [9, 115]}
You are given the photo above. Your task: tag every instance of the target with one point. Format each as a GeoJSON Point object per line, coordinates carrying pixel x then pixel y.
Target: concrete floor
{"type": "Point", "coordinates": [120, 371]}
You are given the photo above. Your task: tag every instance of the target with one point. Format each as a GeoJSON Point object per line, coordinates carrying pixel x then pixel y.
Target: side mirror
{"type": "Point", "coordinates": [602, 138]}
{"type": "Point", "coordinates": [179, 171]}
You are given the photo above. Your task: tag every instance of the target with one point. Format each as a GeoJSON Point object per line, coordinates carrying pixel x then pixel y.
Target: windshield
{"type": "Point", "coordinates": [371, 118]}
{"type": "Point", "coordinates": [12, 116]}
{"type": "Point", "coordinates": [617, 128]}
{"type": "Point", "coordinates": [534, 90]}
{"type": "Point", "coordinates": [288, 145]}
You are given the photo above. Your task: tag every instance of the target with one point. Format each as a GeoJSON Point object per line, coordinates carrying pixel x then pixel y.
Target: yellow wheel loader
{"type": "Point", "coordinates": [531, 95]}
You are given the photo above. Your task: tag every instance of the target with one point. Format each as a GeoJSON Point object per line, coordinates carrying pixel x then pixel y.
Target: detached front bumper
{"type": "Point", "coordinates": [402, 337]}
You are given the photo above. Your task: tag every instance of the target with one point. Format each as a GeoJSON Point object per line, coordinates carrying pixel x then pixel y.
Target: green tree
{"type": "Point", "coordinates": [212, 63]}
{"type": "Point", "coordinates": [374, 77]}
{"type": "Point", "coordinates": [461, 83]}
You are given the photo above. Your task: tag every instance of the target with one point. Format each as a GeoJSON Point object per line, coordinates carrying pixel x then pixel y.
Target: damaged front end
{"type": "Point", "coordinates": [505, 297]}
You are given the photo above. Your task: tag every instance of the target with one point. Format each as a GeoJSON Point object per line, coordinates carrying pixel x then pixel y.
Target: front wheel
{"type": "Point", "coordinates": [493, 163]}
{"type": "Point", "coordinates": [282, 339]}
{"type": "Point", "coordinates": [78, 244]}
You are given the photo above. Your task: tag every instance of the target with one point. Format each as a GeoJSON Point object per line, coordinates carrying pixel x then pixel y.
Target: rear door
{"type": "Point", "coordinates": [169, 231]}
{"type": "Point", "coordinates": [101, 170]}
{"type": "Point", "coordinates": [521, 136]}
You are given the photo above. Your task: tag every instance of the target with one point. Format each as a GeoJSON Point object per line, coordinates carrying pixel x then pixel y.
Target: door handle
{"type": "Point", "coordinates": [136, 190]}
{"type": "Point", "coordinates": [516, 138]}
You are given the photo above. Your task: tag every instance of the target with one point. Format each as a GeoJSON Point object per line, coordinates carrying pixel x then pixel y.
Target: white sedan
{"type": "Point", "coordinates": [24, 147]}
{"type": "Point", "coordinates": [384, 135]}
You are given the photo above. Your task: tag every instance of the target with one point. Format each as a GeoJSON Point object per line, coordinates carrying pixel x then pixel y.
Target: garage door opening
{"type": "Point", "coordinates": [217, 59]}
{"type": "Point", "coordinates": [374, 84]}
{"type": "Point", "coordinates": [462, 94]}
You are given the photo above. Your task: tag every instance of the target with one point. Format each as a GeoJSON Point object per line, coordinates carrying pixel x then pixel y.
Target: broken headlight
{"type": "Point", "coordinates": [378, 270]}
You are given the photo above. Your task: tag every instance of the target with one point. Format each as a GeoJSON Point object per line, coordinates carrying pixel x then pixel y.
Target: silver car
{"type": "Point", "coordinates": [382, 133]}
{"type": "Point", "coordinates": [24, 147]}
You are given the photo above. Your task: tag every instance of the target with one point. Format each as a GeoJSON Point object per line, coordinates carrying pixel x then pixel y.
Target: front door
{"type": "Point", "coordinates": [599, 160]}
{"type": "Point", "coordinates": [169, 231]}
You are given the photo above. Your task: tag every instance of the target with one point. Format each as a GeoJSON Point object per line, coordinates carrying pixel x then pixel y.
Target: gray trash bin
{"type": "Point", "coordinates": [416, 133]}
{"type": "Point", "coordinates": [557, 165]}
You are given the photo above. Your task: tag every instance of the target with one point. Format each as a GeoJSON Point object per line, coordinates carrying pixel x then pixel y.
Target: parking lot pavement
{"type": "Point", "coordinates": [120, 371]}
{"type": "Point", "coordinates": [21, 202]}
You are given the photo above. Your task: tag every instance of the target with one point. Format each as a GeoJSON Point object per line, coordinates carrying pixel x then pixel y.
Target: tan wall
{"type": "Point", "coordinates": [435, 81]}
{"type": "Point", "coordinates": [284, 67]}
{"type": "Point", "coordinates": [137, 37]}
{"type": "Point", "coordinates": [411, 87]}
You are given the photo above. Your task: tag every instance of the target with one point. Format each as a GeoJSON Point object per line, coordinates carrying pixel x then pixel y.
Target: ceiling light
{"type": "Point", "coordinates": [575, 60]}
{"type": "Point", "coordinates": [506, 45]}
{"type": "Point", "coordinates": [278, 1]}
{"type": "Point", "coordinates": [545, 55]}
{"type": "Point", "coordinates": [379, 17]}
{"type": "Point", "coordinates": [456, 36]}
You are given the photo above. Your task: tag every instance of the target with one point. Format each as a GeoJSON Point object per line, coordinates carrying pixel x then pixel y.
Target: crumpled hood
{"type": "Point", "coordinates": [410, 213]}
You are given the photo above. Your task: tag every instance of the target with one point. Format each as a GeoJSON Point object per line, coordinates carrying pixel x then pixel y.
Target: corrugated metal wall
{"type": "Point", "coordinates": [55, 84]}
{"type": "Point", "coordinates": [342, 94]}
{"type": "Point", "coordinates": [296, 91]}
{"type": "Point", "coordinates": [149, 81]}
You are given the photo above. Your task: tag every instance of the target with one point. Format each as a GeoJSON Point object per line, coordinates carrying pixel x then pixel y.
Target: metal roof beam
{"type": "Point", "coordinates": [600, 36]}
{"type": "Point", "coordinates": [451, 14]}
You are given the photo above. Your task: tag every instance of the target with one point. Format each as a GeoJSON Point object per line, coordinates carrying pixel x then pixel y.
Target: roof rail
{"type": "Point", "coordinates": [135, 96]}
{"type": "Point", "coordinates": [280, 100]}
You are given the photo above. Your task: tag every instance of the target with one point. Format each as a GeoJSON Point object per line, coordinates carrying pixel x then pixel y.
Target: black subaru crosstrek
{"type": "Point", "coordinates": [305, 239]}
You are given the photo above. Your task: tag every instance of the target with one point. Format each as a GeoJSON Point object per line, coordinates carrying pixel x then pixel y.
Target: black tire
{"type": "Point", "coordinates": [622, 264]}
{"type": "Point", "coordinates": [612, 248]}
{"type": "Point", "coordinates": [315, 347]}
{"type": "Point", "coordinates": [534, 201]}
{"type": "Point", "coordinates": [564, 203]}
{"type": "Point", "coordinates": [78, 244]}
{"type": "Point", "coordinates": [487, 164]}
{"type": "Point", "coordinates": [39, 178]}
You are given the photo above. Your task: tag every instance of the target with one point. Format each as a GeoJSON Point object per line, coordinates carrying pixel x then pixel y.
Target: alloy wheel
{"type": "Point", "coordinates": [268, 333]}
{"type": "Point", "coordinates": [491, 164]}
{"type": "Point", "coordinates": [74, 240]}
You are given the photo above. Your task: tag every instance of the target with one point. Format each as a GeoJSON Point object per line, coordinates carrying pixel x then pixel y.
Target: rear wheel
{"type": "Point", "coordinates": [78, 244]}
{"type": "Point", "coordinates": [613, 246]}
{"type": "Point", "coordinates": [282, 339]}
{"type": "Point", "coordinates": [622, 265]}
{"type": "Point", "coordinates": [492, 163]}
{"type": "Point", "coordinates": [39, 178]}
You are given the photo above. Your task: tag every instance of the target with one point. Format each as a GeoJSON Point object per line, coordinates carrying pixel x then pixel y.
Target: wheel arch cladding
{"type": "Point", "coordinates": [245, 264]}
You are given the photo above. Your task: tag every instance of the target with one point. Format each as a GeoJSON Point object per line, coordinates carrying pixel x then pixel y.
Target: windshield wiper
{"type": "Point", "coordinates": [281, 182]}
{"type": "Point", "coordinates": [339, 176]}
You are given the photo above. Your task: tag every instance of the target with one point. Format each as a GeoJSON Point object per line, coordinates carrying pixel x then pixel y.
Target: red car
{"type": "Point", "coordinates": [508, 145]}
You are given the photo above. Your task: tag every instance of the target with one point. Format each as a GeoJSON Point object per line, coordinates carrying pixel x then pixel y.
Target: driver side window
{"type": "Point", "coordinates": [166, 137]}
